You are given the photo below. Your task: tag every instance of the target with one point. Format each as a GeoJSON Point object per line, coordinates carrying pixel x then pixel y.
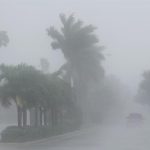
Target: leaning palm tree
{"type": "Point", "coordinates": [3, 38]}
{"type": "Point", "coordinates": [80, 47]}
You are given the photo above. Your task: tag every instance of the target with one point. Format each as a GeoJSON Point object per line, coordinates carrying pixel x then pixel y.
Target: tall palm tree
{"type": "Point", "coordinates": [80, 47]}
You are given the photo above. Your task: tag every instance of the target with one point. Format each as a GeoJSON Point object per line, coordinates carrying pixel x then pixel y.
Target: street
{"type": "Point", "coordinates": [97, 138]}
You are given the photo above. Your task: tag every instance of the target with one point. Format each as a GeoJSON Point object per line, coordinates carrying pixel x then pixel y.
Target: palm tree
{"type": "Point", "coordinates": [21, 86]}
{"type": "Point", "coordinates": [3, 38]}
{"type": "Point", "coordinates": [78, 43]}
{"type": "Point", "coordinates": [29, 89]}
{"type": "Point", "coordinates": [7, 90]}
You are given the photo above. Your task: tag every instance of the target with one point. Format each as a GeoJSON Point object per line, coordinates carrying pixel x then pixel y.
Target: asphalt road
{"type": "Point", "coordinates": [97, 138]}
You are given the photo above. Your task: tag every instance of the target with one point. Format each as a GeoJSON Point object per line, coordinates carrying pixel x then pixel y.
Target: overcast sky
{"type": "Point", "coordinates": [123, 28]}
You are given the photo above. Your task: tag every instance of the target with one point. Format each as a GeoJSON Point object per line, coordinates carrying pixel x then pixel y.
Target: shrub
{"type": "Point", "coordinates": [20, 134]}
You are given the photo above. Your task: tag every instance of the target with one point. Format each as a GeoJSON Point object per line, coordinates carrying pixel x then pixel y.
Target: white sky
{"type": "Point", "coordinates": [123, 27]}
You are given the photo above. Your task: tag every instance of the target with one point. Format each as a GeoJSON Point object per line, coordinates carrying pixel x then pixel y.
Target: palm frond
{"type": "Point", "coordinates": [55, 45]}
{"type": "Point", "coordinates": [63, 18]}
{"type": "Point", "coordinates": [55, 34]}
{"type": "Point", "coordinates": [70, 21]}
{"type": "Point", "coordinates": [77, 26]}
{"type": "Point", "coordinates": [87, 29]}
{"type": "Point", "coordinates": [3, 38]}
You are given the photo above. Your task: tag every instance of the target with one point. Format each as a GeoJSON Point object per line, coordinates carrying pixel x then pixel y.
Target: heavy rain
{"type": "Point", "coordinates": [74, 75]}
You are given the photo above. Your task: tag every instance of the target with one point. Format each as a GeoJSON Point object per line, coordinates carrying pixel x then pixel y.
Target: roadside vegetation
{"type": "Point", "coordinates": [75, 95]}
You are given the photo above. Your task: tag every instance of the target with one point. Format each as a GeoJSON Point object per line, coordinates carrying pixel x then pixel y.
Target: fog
{"type": "Point", "coordinates": [121, 89]}
{"type": "Point", "coordinates": [123, 27]}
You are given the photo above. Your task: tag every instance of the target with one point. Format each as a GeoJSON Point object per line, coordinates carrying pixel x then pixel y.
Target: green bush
{"type": "Point", "coordinates": [20, 134]}
{"type": "Point", "coordinates": [16, 134]}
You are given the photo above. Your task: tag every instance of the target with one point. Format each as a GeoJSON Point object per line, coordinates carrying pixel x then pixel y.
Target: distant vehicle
{"type": "Point", "coordinates": [135, 119]}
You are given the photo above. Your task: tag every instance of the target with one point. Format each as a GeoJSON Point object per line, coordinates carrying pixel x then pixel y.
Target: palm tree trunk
{"type": "Point", "coordinates": [41, 116]}
{"type": "Point", "coordinates": [49, 117]}
{"type": "Point", "coordinates": [24, 117]}
{"type": "Point", "coordinates": [61, 118]}
{"type": "Point", "coordinates": [36, 117]}
{"type": "Point", "coordinates": [19, 113]}
{"type": "Point", "coordinates": [56, 116]}
{"type": "Point", "coordinates": [53, 116]}
{"type": "Point", "coordinates": [45, 118]}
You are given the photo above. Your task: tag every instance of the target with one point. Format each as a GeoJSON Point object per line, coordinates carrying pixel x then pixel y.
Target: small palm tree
{"type": "Point", "coordinates": [3, 38]}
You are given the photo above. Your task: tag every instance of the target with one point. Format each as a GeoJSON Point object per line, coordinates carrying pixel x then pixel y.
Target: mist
{"type": "Point", "coordinates": [74, 73]}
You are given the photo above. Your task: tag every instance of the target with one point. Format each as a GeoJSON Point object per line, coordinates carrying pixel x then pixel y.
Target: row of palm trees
{"type": "Point", "coordinates": [30, 89]}
{"type": "Point", "coordinates": [82, 69]}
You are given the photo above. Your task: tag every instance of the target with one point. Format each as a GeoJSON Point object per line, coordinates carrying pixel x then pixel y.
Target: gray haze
{"type": "Point", "coordinates": [124, 30]}
{"type": "Point", "coordinates": [123, 27]}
